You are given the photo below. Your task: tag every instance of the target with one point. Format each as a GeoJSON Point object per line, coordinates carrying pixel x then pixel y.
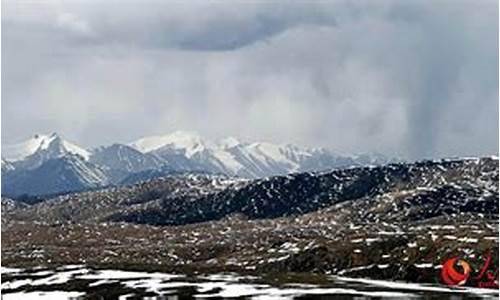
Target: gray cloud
{"type": "Point", "coordinates": [400, 77]}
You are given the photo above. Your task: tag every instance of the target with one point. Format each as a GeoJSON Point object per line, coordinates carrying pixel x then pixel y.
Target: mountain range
{"type": "Point", "coordinates": [49, 164]}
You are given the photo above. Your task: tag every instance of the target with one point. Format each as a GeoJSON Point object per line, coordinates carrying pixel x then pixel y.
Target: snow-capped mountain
{"type": "Point", "coordinates": [68, 173]}
{"type": "Point", "coordinates": [251, 160]}
{"type": "Point", "coordinates": [155, 156]}
{"type": "Point", "coordinates": [53, 145]}
{"type": "Point", "coordinates": [119, 161]}
{"type": "Point", "coordinates": [49, 164]}
{"type": "Point", "coordinates": [187, 142]}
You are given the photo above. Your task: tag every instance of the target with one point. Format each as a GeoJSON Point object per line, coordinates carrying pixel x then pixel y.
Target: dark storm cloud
{"type": "Point", "coordinates": [400, 77]}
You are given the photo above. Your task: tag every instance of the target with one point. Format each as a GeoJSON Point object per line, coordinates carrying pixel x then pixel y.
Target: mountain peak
{"type": "Point", "coordinates": [228, 142]}
{"type": "Point", "coordinates": [189, 141]}
{"type": "Point", "coordinates": [26, 148]}
{"type": "Point", "coordinates": [53, 143]}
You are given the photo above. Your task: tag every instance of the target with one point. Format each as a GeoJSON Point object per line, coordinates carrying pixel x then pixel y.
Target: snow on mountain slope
{"type": "Point", "coordinates": [74, 149]}
{"type": "Point", "coordinates": [24, 149]}
{"type": "Point", "coordinates": [228, 142]}
{"type": "Point", "coordinates": [180, 151]}
{"type": "Point", "coordinates": [245, 160]}
{"type": "Point", "coordinates": [226, 161]}
{"type": "Point", "coordinates": [7, 166]}
{"type": "Point", "coordinates": [38, 142]}
{"type": "Point", "coordinates": [51, 147]}
{"type": "Point", "coordinates": [87, 174]}
{"type": "Point", "coordinates": [126, 158]}
{"type": "Point", "coordinates": [190, 142]}
{"type": "Point", "coordinates": [261, 160]}
{"type": "Point", "coordinates": [252, 160]}
{"type": "Point", "coordinates": [56, 175]}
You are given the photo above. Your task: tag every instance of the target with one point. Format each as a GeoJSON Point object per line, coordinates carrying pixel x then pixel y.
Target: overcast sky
{"type": "Point", "coordinates": [409, 78]}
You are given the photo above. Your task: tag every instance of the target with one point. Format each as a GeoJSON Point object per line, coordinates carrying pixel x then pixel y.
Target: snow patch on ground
{"type": "Point", "coordinates": [53, 295]}
{"type": "Point", "coordinates": [228, 285]}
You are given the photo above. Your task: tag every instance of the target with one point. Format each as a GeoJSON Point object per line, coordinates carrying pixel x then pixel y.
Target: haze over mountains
{"type": "Point", "coordinates": [49, 164]}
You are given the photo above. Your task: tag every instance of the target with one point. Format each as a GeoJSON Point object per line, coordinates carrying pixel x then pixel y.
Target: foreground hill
{"type": "Point", "coordinates": [395, 192]}
{"type": "Point", "coordinates": [101, 205]}
{"type": "Point", "coordinates": [396, 222]}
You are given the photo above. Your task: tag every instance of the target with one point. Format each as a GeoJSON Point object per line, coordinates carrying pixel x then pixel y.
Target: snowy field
{"type": "Point", "coordinates": [72, 282]}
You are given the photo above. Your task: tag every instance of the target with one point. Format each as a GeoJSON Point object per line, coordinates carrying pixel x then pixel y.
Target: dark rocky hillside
{"type": "Point", "coordinates": [101, 205]}
{"type": "Point", "coordinates": [396, 192]}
